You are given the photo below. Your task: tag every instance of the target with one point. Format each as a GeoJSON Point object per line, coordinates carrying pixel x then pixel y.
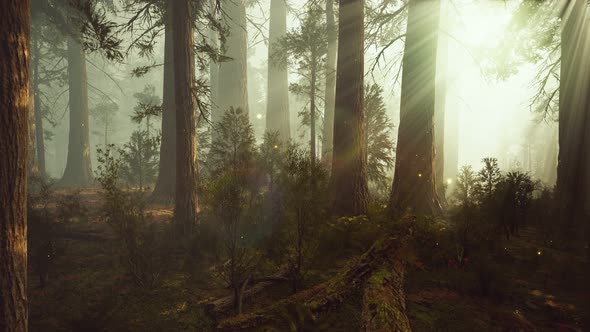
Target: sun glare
{"type": "Point", "coordinates": [482, 23]}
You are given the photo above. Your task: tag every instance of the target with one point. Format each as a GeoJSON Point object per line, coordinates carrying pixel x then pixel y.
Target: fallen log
{"type": "Point", "coordinates": [380, 269]}
{"type": "Point", "coordinates": [384, 301]}
{"type": "Point", "coordinates": [224, 306]}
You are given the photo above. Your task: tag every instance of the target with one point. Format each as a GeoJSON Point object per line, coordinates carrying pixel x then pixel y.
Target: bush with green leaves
{"type": "Point", "coordinates": [304, 184]}
{"type": "Point", "coordinates": [140, 159]}
{"type": "Point", "coordinates": [234, 148]}
{"type": "Point", "coordinates": [488, 180]}
{"type": "Point", "coordinates": [516, 191]}
{"type": "Point", "coordinates": [125, 212]}
{"type": "Point", "coordinates": [233, 200]}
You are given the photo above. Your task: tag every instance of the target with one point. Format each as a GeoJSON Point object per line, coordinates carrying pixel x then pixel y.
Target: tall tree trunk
{"type": "Point", "coordinates": [277, 108]}
{"type": "Point", "coordinates": [233, 75]}
{"type": "Point", "coordinates": [32, 164]}
{"type": "Point", "coordinates": [440, 103]}
{"type": "Point", "coordinates": [451, 143]}
{"type": "Point", "coordinates": [414, 184]}
{"type": "Point", "coordinates": [14, 113]}
{"type": "Point", "coordinates": [78, 170]}
{"type": "Point", "coordinates": [214, 66]}
{"type": "Point", "coordinates": [330, 92]}
{"type": "Point", "coordinates": [186, 118]}
{"type": "Point", "coordinates": [312, 125]}
{"type": "Point", "coordinates": [165, 188]}
{"type": "Point", "coordinates": [39, 133]}
{"type": "Point", "coordinates": [550, 162]}
{"type": "Point", "coordinates": [573, 171]}
{"type": "Point", "coordinates": [349, 167]}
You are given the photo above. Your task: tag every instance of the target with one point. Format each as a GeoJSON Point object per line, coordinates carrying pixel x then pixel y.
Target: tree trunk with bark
{"type": "Point", "coordinates": [32, 164]}
{"type": "Point", "coordinates": [165, 188]}
{"type": "Point", "coordinates": [414, 184]}
{"type": "Point", "coordinates": [78, 170]}
{"type": "Point", "coordinates": [378, 274]}
{"type": "Point", "coordinates": [233, 74]}
{"type": "Point", "coordinates": [186, 118]}
{"type": "Point", "coordinates": [214, 66]}
{"type": "Point", "coordinates": [573, 171]}
{"type": "Point", "coordinates": [550, 158]}
{"type": "Point", "coordinates": [349, 168]}
{"type": "Point", "coordinates": [14, 113]}
{"type": "Point", "coordinates": [440, 103]}
{"type": "Point", "coordinates": [312, 125]}
{"type": "Point", "coordinates": [277, 108]}
{"type": "Point", "coordinates": [39, 132]}
{"type": "Point", "coordinates": [330, 92]}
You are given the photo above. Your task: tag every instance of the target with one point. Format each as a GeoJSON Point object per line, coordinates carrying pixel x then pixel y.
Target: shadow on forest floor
{"type": "Point", "coordinates": [88, 289]}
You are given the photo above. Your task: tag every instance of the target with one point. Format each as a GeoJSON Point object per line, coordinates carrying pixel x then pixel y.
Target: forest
{"type": "Point", "coordinates": [294, 165]}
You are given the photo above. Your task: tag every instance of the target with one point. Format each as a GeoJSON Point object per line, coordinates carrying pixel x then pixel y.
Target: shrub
{"type": "Point", "coordinates": [125, 212]}
{"type": "Point", "coordinates": [70, 207]}
{"type": "Point", "coordinates": [140, 159]}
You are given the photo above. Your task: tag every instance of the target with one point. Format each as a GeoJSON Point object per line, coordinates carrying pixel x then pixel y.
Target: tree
{"type": "Point", "coordinates": [234, 149]}
{"type": "Point", "coordinates": [232, 161]}
{"type": "Point", "coordinates": [78, 165]}
{"type": "Point", "coordinates": [414, 182]}
{"type": "Point", "coordinates": [139, 158]}
{"type": "Point", "coordinates": [380, 145]}
{"type": "Point", "coordinates": [165, 187]}
{"type": "Point", "coordinates": [349, 169]}
{"type": "Point", "coordinates": [148, 106]}
{"type": "Point", "coordinates": [330, 90]}
{"type": "Point", "coordinates": [32, 161]}
{"type": "Point", "coordinates": [104, 115]}
{"type": "Point", "coordinates": [440, 103]}
{"type": "Point", "coordinates": [303, 182]}
{"type": "Point", "coordinates": [465, 190]}
{"type": "Point", "coordinates": [186, 203]}
{"type": "Point", "coordinates": [14, 102]}
{"type": "Point", "coordinates": [277, 108]}
{"type": "Point", "coordinates": [573, 170]}
{"type": "Point", "coordinates": [233, 72]}
{"type": "Point", "coordinates": [307, 47]}
{"type": "Point", "coordinates": [489, 178]}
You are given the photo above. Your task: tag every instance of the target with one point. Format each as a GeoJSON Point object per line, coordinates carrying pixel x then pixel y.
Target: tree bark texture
{"type": "Point", "coordinates": [414, 184]}
{"type": "Point", "coordinates": [14, 114]}
{"type": "Point", "coordinates": [165, 188]}
{"type": "Point", "coordinates": [349, 167]}
{"type": "Point", "coordinates": [277, 108]}
{"type": "Point", "coordinates": [233, 79]}
{"type": "Point", "coordinates": [186, 202]}
{"type": "Point", "coordinates": [573, 171]}
{"type": "Point", "coordinates": [440, 102]}
{"type": "Point", "coordinates": [78, 170]}
{"type": "Point", "coordinates": [39, 132]}
{"type": "Point", "coordinates": [330, 92]}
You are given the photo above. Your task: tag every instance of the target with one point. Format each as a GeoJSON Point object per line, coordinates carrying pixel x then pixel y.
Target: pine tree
{"type": "Point", "coordinates": [307, 47]}
{"type": "Point", "coordinates": [14, 102]}
{"type": "Point", "coordinates": [414, 183]}
{"type": "Point", "coordinates": [349, 169]}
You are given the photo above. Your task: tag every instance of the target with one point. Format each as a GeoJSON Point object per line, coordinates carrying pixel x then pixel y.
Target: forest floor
{"type": "Point", "coordinates": [532, 289]}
